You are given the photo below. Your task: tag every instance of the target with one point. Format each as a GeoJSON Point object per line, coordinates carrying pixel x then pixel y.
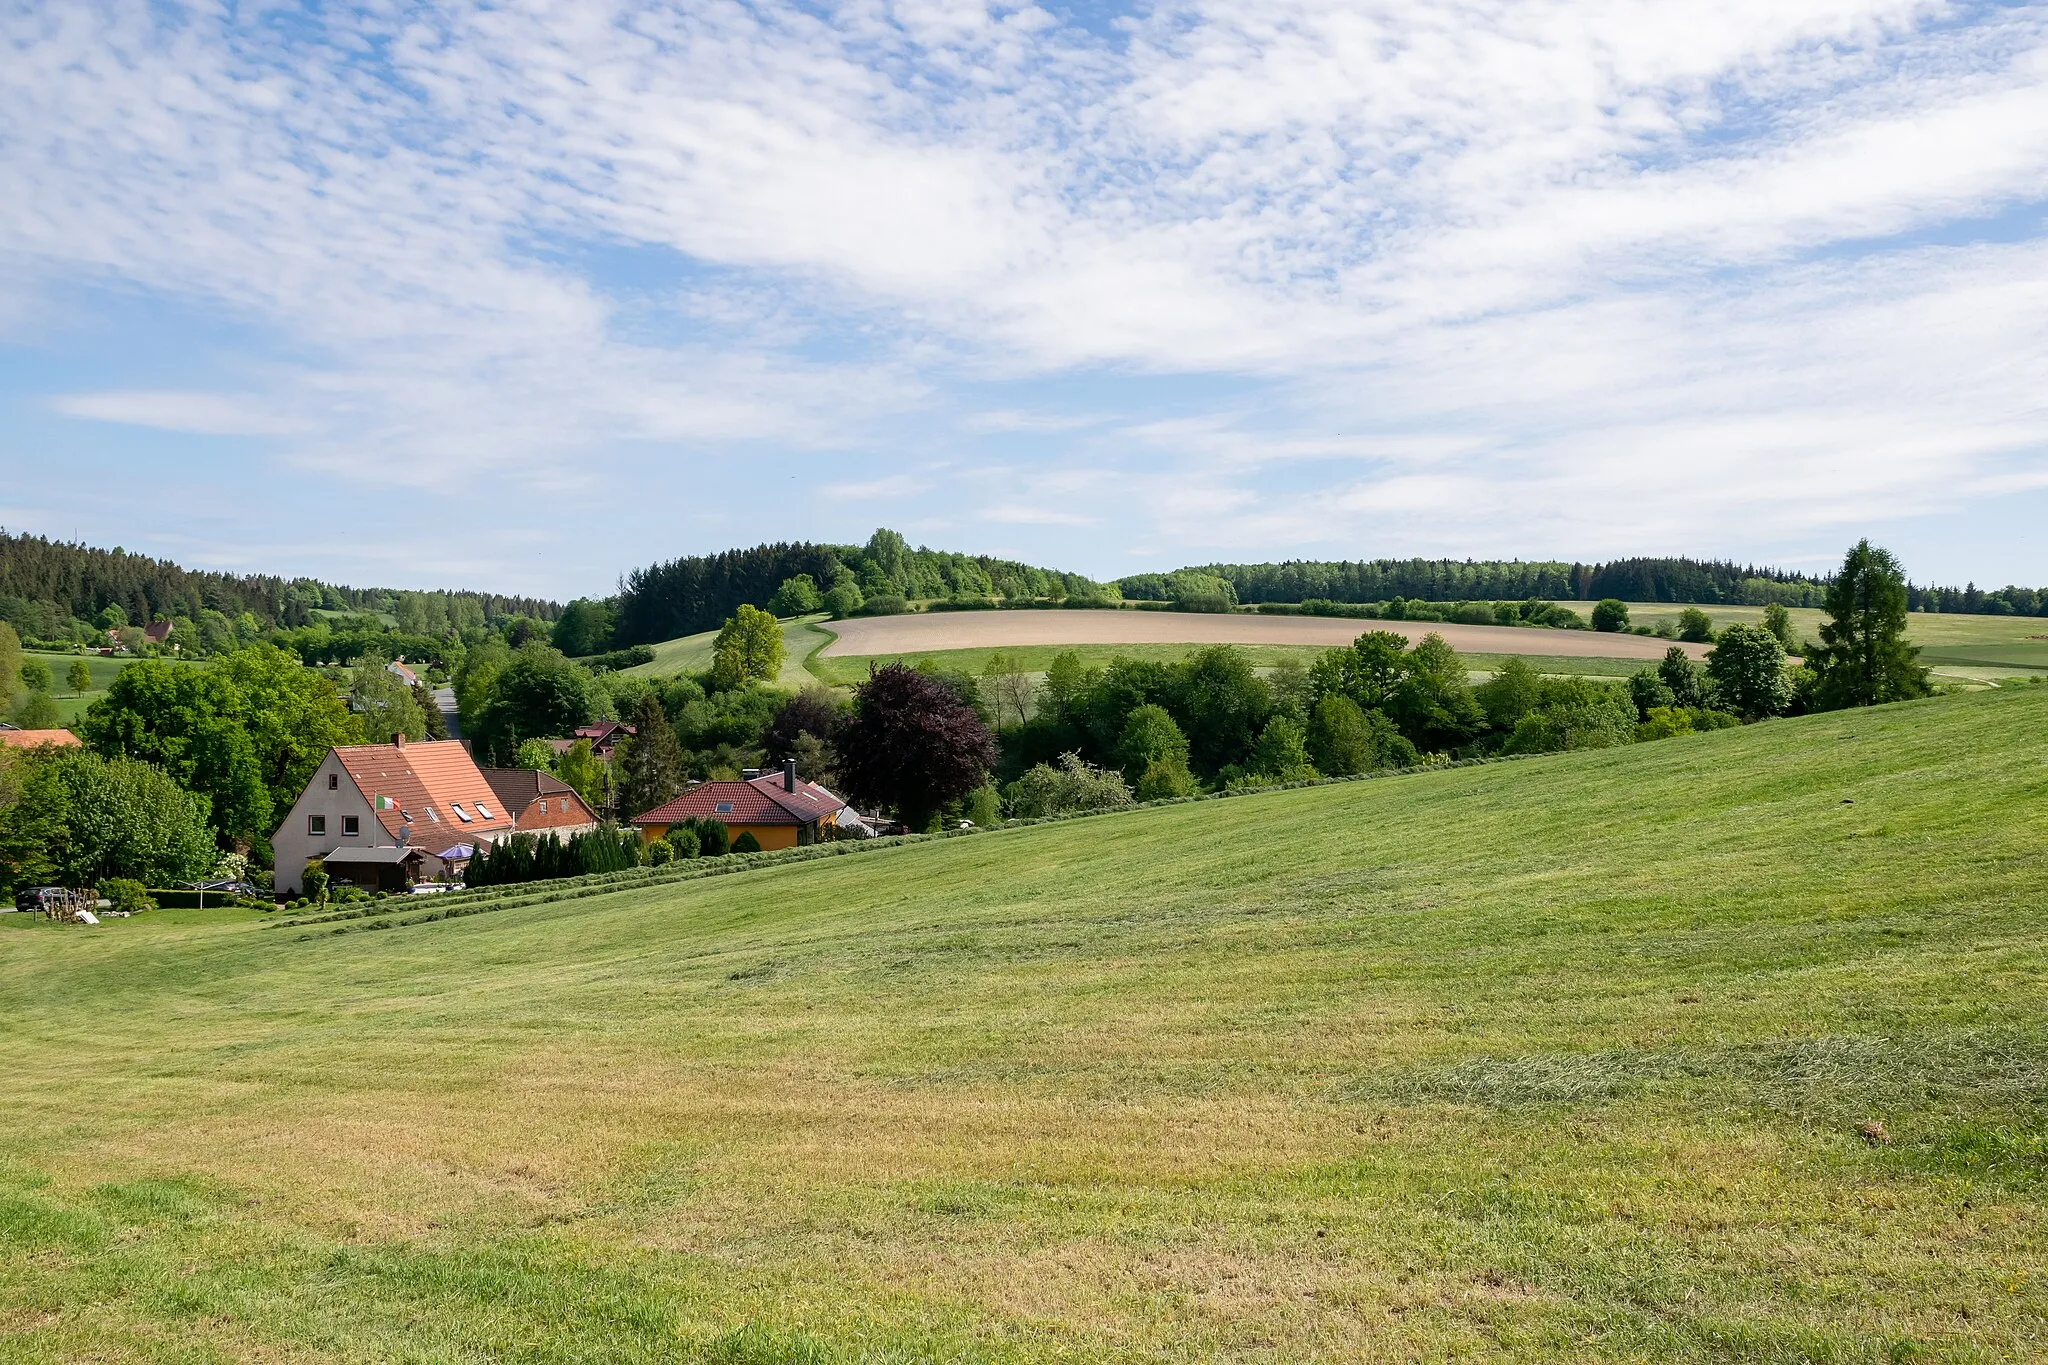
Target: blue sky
{"type": "Point", "coordinates": [523, 295]}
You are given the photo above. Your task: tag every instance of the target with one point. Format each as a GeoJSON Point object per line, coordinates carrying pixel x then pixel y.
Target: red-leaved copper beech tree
{"type": "Point", "coordinates": [912, 745]}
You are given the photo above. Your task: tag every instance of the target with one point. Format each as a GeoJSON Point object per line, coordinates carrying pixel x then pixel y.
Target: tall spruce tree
{"type": "Point", "coordinates": [1864, 658]}
{"type": "Point", "coordinates": [653, 768]}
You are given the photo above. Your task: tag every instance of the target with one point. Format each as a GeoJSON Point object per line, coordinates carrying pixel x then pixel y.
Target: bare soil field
{"type": "Point", "coordinates": [923, 633]}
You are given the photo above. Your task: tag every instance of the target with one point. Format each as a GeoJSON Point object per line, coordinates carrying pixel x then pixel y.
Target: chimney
{"type": "Point", "coordinates": [789, 774]}
{"type": "Point", "coordinates": [398, 741]}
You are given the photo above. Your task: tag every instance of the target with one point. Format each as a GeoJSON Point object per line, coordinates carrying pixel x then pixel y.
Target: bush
{"type": "Point", "coordinates": [882, 604]}
{"type": "Point", "coordinates": [1281, 752]}
{"type": "Point", "coordinates": [314, 882]}
{"type": "Point", "coordinates": [983, 806]}
{"type": "Point", "coordinates": [1072, 786]}
{"type": "Point", "coordinates": [660, 853]}
{"type": "Point", "coordinates": [798, 596]}
{"type": "Point", "coordinates": [1575, 713]}
{"type": "Point", "coordinates": [1610, 615]}
{"type": "Point", "coordinates": [843, 599]}
{"type": "Point", "coordinates": [1664, 722]}
{"type": "Point", "coordinates": [1650, 692]}
{"type": "Point", "coordinates": [1166, 778]}
{"type": "Point", "coordinates": [126, 895]}
{"type": "Point", "coordinates": [746, 843]}
{"type": "Point", "coordinates": [683, 843]}
{"type": "Point", "coordinates": [713, 839]}
{"type": "Point", "coordinates": [1695, 626]}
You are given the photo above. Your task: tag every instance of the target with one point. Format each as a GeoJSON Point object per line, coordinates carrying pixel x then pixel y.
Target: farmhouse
{"type": "Point", "coordinates": [539, 803]}
{"type": "Point", "coordinates": [778, 809]}
{"type": "Point", "coordinates": [384, 816]}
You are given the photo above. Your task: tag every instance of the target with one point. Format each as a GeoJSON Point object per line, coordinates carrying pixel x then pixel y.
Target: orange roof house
{"type": "Point", "coordinates": [778, 809]}
{"type": "Point", "coordinates": [364, 801]}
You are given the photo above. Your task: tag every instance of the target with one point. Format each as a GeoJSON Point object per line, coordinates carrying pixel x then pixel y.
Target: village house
{"type": "Point", "coordinates": [385, 816]}
{"type": "Point", "coordinates": [604, 737]}
{"type": "Point", "coordinates": [779, 809]}
{"type": "Point", "coordinates": [540, 803]}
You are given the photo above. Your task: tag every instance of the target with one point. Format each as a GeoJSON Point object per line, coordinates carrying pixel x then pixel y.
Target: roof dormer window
{"type": "Point", "coordinates": [484, 811]}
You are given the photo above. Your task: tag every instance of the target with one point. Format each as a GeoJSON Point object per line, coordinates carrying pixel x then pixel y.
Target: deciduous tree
{"type": "Point", "coordinates": [1610, 614]}
{"type": "Point", "coordinates": [1747, 665]}
{"type": "Point", "coordinates": [912, 745]}
{"type": "Point", "coordinates": [749, 646]}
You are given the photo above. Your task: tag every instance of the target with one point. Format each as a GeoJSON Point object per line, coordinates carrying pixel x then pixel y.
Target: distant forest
{"type": "Point", "coordinates": [1631, 580]}
{"type": "Point", "coordinates": [46, 586]}
{"type": "Point", "coordinates": [697, 592]}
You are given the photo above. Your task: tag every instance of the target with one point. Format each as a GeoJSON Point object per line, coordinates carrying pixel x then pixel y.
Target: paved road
{"type": "Point", "coordinates": [444, 698]}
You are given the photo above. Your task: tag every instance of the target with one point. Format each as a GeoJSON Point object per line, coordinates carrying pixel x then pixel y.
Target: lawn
{"type": "Point", "coordinates": [692, 653]}
{"type": "Point", "coordinates": [1730, 1047]}
{"type": "Point", "coordinates": [71, 705]}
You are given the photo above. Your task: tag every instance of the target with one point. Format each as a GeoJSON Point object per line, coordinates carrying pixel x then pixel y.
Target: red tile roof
{"type": "Point", "coordinates": [423, 783]}
{"type": "Point", "coordinates": [758, 801]}
{"type": "Point", "coordinates": [36, 739]}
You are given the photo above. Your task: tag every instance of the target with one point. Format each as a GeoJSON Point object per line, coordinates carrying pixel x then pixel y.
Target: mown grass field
{"type": "Point", "coordinates": [1562, 1059]}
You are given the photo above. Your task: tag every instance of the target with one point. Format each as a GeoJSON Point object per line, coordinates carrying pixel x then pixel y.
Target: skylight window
{"type": "Point", "coordinates": [460, 813]}
{"type": "Point", "coordinates": [724, 808]}
{"type": "Point", "coordinates": [431, 816]}
{"type": "Point", "coordinates": [484, 811]}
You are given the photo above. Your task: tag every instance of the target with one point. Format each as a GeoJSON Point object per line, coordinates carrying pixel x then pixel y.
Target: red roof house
{"type": "Point", "coordinates": [779, 809]}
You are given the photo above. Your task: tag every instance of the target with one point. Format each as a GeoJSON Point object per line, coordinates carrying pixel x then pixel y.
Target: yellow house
{"type": "Point", "coordinates": [779, 809]}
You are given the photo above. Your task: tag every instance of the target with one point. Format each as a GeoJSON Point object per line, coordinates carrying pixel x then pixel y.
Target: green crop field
{"type": "Point", "coordinates": [1954, 644]}
{"type": "Point", "coordinates": [692, 653]}
{"type": "Point", "coordinates": [1731, 1047]}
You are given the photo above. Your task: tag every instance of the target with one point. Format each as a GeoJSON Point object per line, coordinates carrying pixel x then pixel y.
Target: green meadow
{"type": "Point", "coordinates": [692, 653]}
{"type": "Point", "coordinates": [1732, 1047]}
{"type": "Point", "coordinates": [71, 705]}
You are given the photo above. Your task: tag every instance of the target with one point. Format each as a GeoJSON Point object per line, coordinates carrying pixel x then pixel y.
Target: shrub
{"type": "Point", "coordinates": [1695, 626]}
{"type": "Point", "coordinates": [1281, 752]}
{"type": "Point", "coordinates": [883, 604]}
{"type": "Point", "coordinates": [660, 853]}
{"type": "Point", "coordinates": [798, 596]}
{"type": "Point", "coordinates": [843, 599]}
{"type": "Point", "coordinates": [1664, 722]}
{"type": "Point", "coordinates": [1575, 713]}
{"type": "Point", "coordinates": [1074, 785]}
{"type": "Point", "coordinates": [1610, 615]}
{"type": "Point", "coordinates": [683, 843]}
{"type": "Point", "coordinates": [314, 882]}
{"type": "Point", "coordinates": [1166, 778]}
{"type": "Point", "coordinates": [1343, 739]}
{"type": "Point", "coordinates": [126, 895]}
{"type": "Point", "coordinates": [746, 843]}
{"type": "Point", "coordinates": [713, 839]}
{"type": "Point", "coordinates": [983, 806]}
{"type": "Point", "coordinates": [1150, 736]}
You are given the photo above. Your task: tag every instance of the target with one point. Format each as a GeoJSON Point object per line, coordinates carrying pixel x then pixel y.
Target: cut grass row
{"type": "Point", "coordinates": [1563, 1059]}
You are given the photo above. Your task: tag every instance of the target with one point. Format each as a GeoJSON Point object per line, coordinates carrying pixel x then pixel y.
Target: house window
{"type": "Point", "coordinates": [484, 811]}
{"type": "Point", "coordinates": [350, 826]}
{"type": "Point", "coordinates": [316, 825]}
{"type": "Point", "coordinates": [333, 781]}
{"type": "Point", "coordinates": [724, 808]}
{"type": "Point", "coordinates": [460, 813]}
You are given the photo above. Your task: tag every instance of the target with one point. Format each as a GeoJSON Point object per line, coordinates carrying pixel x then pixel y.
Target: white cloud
{"type": "Point", "coordinates": [1476, 275]}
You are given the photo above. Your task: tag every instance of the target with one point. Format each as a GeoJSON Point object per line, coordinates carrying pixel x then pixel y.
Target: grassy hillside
{"type": "Point", "coordinates": [692, 653]}
{"type": "Point", "coordinates": [71, 705]}
{"type": "Point", "coordinates": [1561, 1059]}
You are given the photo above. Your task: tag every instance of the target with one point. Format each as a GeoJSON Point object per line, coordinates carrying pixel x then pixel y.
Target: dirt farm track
{"type": "Point", "coordinates": [923, 633]}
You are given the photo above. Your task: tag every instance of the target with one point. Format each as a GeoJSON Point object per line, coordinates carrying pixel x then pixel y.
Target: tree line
{"type": "Point", "coordinates": [1449, 580]}
{"type": "Point", "coordinates": [54, 590]}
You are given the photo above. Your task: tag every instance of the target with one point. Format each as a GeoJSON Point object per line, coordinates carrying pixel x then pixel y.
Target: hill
{"type": "Point", "coordinates": [46, 584]}
{"type": "Point", "coordinates": [1726, 1047]}
{"type": "Point", "coordinates": [695, 593]}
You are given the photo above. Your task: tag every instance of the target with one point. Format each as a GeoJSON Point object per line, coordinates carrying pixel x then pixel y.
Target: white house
{"type": "Point", "coordinates": [384, 815]}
